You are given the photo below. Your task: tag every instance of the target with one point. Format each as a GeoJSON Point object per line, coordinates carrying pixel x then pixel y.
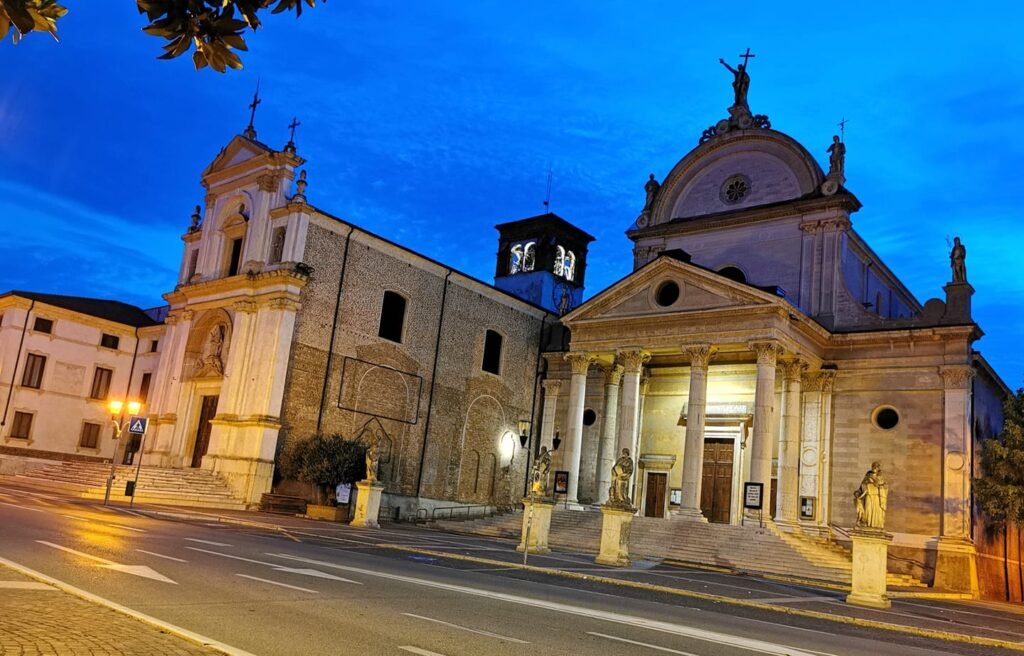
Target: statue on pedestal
{"type": "Point", "coordinates": [651, 187]}
{"type": "Point", "coordinates": [622, 471]}
{"type": "Point", "coordinates": [956, 261]}
{"type": "Point", "coordinates": [836, 157]}
{"type": "Point", "coordinates": [740, 82]}
{"type": "Point", "coordinates": [870, 499]}
{"type": "Point", "coordinates": [372, 458]}
{"type": "Point", "coordinates": [539, 475]}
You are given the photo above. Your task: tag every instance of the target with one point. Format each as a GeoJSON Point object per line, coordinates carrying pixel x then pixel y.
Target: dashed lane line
{"type": "Point", "coordinates": [283, 585]}
{"type": "Point", "coordinates": [467, 629]}
{"type": "Point", "coordinates": [164, 556]}
{"type": "Point", "coordinates": [641, 644]}
{"type": "Point", "coordinates": [418, 651]}
{"type": "Point", "coordinates": [92, 521]}
{"type": "Point", "coordinates": [209, 542]}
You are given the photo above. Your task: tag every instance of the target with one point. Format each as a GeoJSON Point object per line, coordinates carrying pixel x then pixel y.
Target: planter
{"type": "Point", "coordinates": [329, 513]}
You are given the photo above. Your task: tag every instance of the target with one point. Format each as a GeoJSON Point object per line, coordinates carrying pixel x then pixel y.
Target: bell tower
{"type": "Point", "coordinates": [543, 260]}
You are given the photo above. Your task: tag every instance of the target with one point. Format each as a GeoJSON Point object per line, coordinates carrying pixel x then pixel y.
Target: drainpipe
{"type": "Point", "coordinates": [17, 360]}
{"type": "Point", "coordinates": [334, 332]}
{"type": "Point", "coordinates": [433, 385]}
{"type": "Point", "coordinates": [537, 377]}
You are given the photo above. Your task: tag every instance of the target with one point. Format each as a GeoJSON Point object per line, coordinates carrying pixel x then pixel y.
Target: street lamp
{"type": "Point", "coordinates": [116, 407]}
{"type": "Point", "coordinates": [524, 432]}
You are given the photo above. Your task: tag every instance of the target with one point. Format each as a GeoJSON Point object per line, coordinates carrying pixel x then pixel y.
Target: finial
{"type": "Point", "coordinates": [300, 188]}
{"type": "Point", "coordinates": [196, 220]}
{"type": "Point", "coordinates": [290, 146]}
{"type": "Point", "coordinates": [250, 131]}
{"type": "Point", "coordinates": [842, 129]}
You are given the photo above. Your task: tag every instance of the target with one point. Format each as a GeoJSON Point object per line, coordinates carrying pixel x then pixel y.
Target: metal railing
{"type": "Point", "coordinates": [463, 512]}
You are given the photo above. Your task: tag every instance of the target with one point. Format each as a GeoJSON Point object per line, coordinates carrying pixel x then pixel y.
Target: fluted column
{"type": "Point", "coordinates": [579, 363]}
{"type": "Point", "coordinates": [547, 426]}
{"type": "Point", "coordinates": [764, 413]}
{"type": "Point", "coordinates": [606, 448]}
{"type": "Point", "coordinates": [693, 445]}
{"type": "Point", "coordinates": [787, 508]}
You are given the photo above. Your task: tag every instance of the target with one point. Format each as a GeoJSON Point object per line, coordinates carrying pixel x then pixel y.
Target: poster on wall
{"type": "Point", "coordinates": [676, 496]}
{"type": "Point", "coordinates": [342, 493]}
{"type": "Point", "coordinates": [807, 507]}
{"type": "Point", "coordinates": [752, 495]}
{"type": "Point", "coordinates": [561, 482]}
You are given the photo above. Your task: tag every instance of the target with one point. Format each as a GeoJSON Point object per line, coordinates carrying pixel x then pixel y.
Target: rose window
{"type": "Point", "coordinates": [735, 189]}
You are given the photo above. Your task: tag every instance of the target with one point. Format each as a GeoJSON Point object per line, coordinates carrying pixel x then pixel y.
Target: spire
{"type": "Point", "coordinates": [250, 131]}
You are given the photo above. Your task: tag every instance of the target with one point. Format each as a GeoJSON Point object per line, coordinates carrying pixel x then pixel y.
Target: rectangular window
{"type": "Point", "coordinates": [236, 257]}
{"type": "Point", "coordinates": [101, 383]}
{"type": "Point", "coordinates": [90, 436]}
{"type": "Point", "coordinates": [492, 353]}
{"type": "Point", "coordinates": [110, 341]}
{"type": "Point", "coordinates": [33, 374]}
{"type": "Point", "coordinates": [392, 317]}
{"type": "Point", "coordinates": [21, 428]}
{"type": "Point", "coordinates": [193, 264]}
{"type": "Point", "coordinates": [43, 325]}
{"type": "Point", "coordinates": [144, 387]}
{"type": "Point", "coordinates": [277, 245]}
{"type": "Point", "coordinates": [153, 345]}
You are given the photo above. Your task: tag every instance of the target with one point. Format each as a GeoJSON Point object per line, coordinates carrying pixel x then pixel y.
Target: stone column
{"type": "Point", "coordinates": [547, 426]}
{"type": "Point", "coordinates": [810, 445]}
{"type": "Point", "coordinates": [606, 452]}
{"type": "Point", "coordinates": [828, 383]}
{"type": "Point", "coordinates": [693, 445]}
{"type": "Point", "coordinates": [787, 508]}
{"type": "Point", "coordinates": [629, 416]}
{"type": "Point", "coordinates": [579, 363]}
{"type": "Point", "coordinates": [764, 414]}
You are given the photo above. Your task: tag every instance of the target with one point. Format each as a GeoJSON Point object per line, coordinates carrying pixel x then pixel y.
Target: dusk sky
{"type": "Point", "coordinates": [430, 122]}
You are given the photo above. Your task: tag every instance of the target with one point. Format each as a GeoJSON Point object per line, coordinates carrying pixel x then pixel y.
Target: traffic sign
{"type": "Point", "coordinates": [137, 425]}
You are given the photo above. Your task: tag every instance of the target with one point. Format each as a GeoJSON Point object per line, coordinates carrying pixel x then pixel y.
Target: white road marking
{"type": "Point", "coordinates": [607, 616]}
{"type": "Point", "coordinates": [101, 507]}
{"type": "Point", "coordinates": [148, 619]}
{"type": "Point", "coordinates": [283, 585]}
{"type": "Point", "coordinates": [420, 652]}
{"type": "Point", "coordinates": [25, 585]}
{"type": "Point", "coordinates": [158, 555]}
{"type": "Point", "coordinates": [790, 600]}
{"type": "Point", "coordinates": [641, 644]}
{"type": "Point", "coordinates": [92, 521]}
{"type": "Point", "coordinates": [14, 505]}
{"type": "Point", "coordinates": [466, 628]}
{"type": "Point", "coordinates": [137, 570]}
{"type": "Point", "coordinates": [210, 542]}
{"type": "Point", "coordinates": [280, 568]}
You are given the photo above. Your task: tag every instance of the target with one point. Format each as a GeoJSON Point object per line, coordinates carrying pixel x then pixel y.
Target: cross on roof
{"type": "Point", "coordinates": [294, 124]}
{"type": "Point", "coordinates": [250, 131]}
{"type": "Point", "coordinates": [746, 57]}
{"type": "Point", "coordinates": [842, 129]}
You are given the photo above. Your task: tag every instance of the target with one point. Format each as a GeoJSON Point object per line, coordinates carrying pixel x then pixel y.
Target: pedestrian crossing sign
{"type": "Point", "coordinates": [137, 425]}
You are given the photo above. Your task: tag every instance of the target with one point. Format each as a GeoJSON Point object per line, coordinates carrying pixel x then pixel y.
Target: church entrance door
{"type": "Point", "coordinates": [654, 498]}
{"type": "Point", "coordinates": [716, 483]}
{"type": "Point", "coordinates": [206, 413]}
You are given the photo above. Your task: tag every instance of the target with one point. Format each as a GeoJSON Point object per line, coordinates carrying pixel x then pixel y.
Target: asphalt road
{"type": "Point", "coordinates": [267, 594]}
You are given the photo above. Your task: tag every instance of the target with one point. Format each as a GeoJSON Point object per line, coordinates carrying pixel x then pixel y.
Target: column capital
{"type": "Point", "coordinates": [633, 360]}
{"type": "Point", "coordinates": [793, 370]}
{"type": "Point", "coordinates": [269, 182]}
{"type": "Point", "coordinates": [957, 376]}
{"type": "Point", "coordinates": [612, 373]}
{"type": "Point", "coordinates": [700, 354]}
{"type": "Point", "coordinates": [645, 382]}
{"type": "Point", "coordinates": [244, 307]}
{"type": "Point", "coordinates": [578, 362]}
{"type": "Point", "coordinates": [767, 352]}
{"type": "Point", "coordinates": [284, 304]}
{"type": "Point", "coordinates": [551, 386]}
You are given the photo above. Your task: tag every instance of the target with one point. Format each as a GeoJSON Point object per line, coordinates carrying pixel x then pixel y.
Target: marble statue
{"type": "Point", "coordinates": [870, 498]}
{"type": "Point", "coordinates": [372, 458]}
{"type": "Point", "coordinates": [622, 471]}
{"type": "Point", "coordinates": [836, 157]}
{"type": "Point", "coordinates": [740, 83]}
{"type": "Point", "coordinates": [956, 261]}
{"type": "Point", "coordinates": [651, 188]}
{"type": "Point", "coordinates": [212, 357]}
{"type": "Point", "coordinates": [539, 476]}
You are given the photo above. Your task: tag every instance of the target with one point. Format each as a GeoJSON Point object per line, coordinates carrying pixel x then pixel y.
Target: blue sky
{"type": "Point", "coordinates": [430, 122]}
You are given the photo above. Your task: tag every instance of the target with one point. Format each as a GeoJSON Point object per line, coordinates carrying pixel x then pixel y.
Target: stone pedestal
{"type": "Point", "coordinates": [870, 556]}
{"type": "Point", "coordinates": [367, 504]}
{"type": "Point", "coordinates": [956, 566]}
{"type": "Point", "coordinates": [615, 526]}
{"type": "Point", "coordinates": [536, 525]}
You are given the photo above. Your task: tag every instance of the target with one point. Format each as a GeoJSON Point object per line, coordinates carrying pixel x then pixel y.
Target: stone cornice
{"type": "Point", "coordinates": [245, 282]}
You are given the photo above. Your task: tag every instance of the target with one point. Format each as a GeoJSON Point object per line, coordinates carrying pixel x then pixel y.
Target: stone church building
{"type": "Point", "coordinates": [759, 339]}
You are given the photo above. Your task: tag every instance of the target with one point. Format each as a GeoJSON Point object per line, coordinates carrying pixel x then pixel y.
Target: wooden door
{"type": "Point", "coordinates": [209, 409]}
{"type": "Point", "coordinates": [716, 483]}
{"type": "Point", "coordinates": [654, 499]}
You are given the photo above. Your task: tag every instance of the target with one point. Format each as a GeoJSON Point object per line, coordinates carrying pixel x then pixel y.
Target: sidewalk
{"type": "Point", "coordinates": [37, 619]}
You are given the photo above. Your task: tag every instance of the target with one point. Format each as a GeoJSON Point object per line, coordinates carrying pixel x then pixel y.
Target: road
{"type": "Point", "coordinates": [270, 593]}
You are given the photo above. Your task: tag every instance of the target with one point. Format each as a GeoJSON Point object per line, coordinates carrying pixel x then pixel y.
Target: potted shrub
{"type": "Point", "coordinates": [324, 461]}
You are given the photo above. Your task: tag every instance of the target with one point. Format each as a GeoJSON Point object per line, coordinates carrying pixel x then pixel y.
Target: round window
{"type": "Point", "coordinates": [886, 418]}
{"type": "Point", "coordinates": [589, 417]}
{"type": "Point", "coordinates": [735, 189]}
{"type": "Point", "coordinates": [667, 294]}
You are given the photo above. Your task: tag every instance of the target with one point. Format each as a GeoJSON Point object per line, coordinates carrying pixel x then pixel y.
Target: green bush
{"type": "Point", "coordinates": [324, 460]}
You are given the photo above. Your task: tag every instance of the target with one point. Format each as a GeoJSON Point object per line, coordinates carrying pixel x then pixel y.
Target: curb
{"type": "Point", "coordinates": [651, 587]}
{"type": "Point", "coordinates": [166, 627]}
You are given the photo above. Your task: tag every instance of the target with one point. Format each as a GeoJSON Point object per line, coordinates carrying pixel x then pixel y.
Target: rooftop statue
{"type": "Point", "coordinates": [741, 79]}
{"type": "Point", "coordinates": [957, 256]}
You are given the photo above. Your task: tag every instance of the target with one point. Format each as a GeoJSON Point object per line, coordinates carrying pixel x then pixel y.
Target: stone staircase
{"type": "Point", "coordinates": [175, 487]}
{"type": "Point", "coordinates": [743, 548]}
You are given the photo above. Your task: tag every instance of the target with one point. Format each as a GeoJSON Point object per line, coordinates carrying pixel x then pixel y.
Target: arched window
{"type": "Point", "coordinates": [515, 260]}
{"type": "Point", "coordinates": [392, 317]}
{"type": "Point", "coordinates": [733, 273]}
{"type": "Point", "coordinates": [529, 256]}
{"type": "Point", "coordinates": [559, 261]}
{"type": "Point", "coordinates": [569, 266]}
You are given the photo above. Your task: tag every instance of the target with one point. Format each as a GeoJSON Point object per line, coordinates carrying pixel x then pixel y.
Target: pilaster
{"type": "Point", "coordinates": [547, 426]}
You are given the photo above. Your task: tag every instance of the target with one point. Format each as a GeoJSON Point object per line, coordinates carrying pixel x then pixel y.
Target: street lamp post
{"type": "Point", "coordinates": [116, 408]}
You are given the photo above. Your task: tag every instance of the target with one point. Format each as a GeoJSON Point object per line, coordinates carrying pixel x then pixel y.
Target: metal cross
{"type": "Point", "coordinates": [294, 124]}
{"type": "Point", "coordinates": [746, 57]}
{"type": "Point", "coordinates": [842, 129]}
{"type": "Point", "coordinates": [255, 101]}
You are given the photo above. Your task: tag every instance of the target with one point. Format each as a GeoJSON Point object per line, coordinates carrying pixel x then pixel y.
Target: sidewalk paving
{"type": "Point", "coordinates": [37, 619]}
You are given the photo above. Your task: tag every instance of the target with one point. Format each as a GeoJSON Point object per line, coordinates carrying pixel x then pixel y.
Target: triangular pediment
{"type": "Point", "coordinates": [238, 151]}
{"type": "Point", "coordinates": [637, 294]}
